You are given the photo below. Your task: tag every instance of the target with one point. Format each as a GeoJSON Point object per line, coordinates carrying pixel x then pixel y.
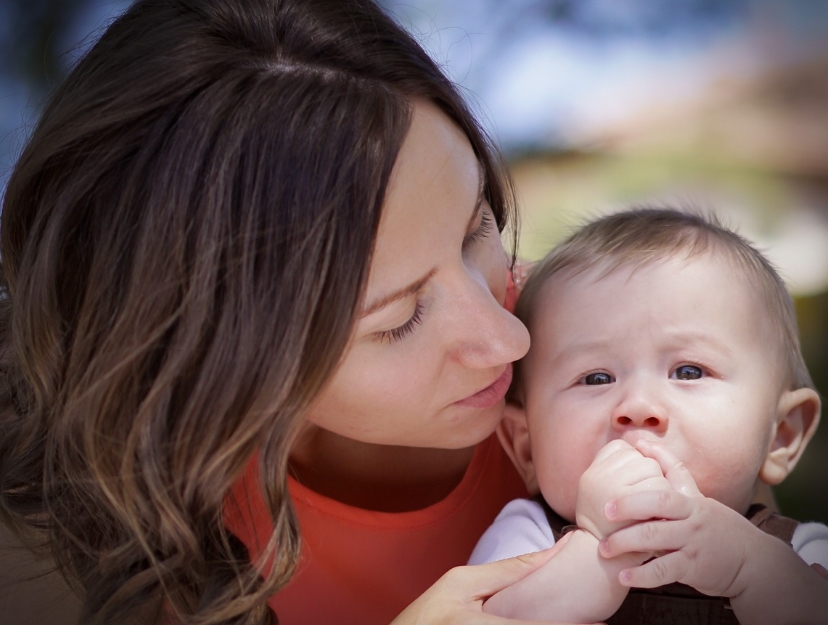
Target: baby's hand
{"type": "Point", "coordinates": [704, 542]}
{"type": "Point", "coordinates": [706, 545]}
{"type": "Point", "coordinates": [617, 470]}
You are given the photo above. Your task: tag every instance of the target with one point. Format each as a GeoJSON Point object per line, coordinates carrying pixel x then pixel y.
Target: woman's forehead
{"type": "Point", "coordinates": [432, 195]}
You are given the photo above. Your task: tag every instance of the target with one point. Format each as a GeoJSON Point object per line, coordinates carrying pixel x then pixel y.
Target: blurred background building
{"type": "Point", "coordinates": [716, 104]}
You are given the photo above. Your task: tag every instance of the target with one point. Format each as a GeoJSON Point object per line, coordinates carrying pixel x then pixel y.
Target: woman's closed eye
{"type": "Point", "coordinates": [400, 332]}
{"type": "Point", "coordinates": [483, 229]}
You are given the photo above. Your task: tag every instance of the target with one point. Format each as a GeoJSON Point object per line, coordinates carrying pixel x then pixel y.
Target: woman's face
{"type": "Point", "coordinates": [429, 362]}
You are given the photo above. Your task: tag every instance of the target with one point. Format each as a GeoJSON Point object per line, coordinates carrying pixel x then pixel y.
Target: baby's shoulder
{"type": "Point", "coordinates": [521, 527]}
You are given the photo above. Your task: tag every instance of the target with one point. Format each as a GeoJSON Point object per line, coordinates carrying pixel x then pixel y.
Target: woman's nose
{"type": "Point", "coordinates": [487, 334]}
{"type": "Point", "coordinates": [640, 408]}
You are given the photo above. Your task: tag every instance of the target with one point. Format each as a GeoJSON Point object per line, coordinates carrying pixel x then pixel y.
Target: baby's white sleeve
{"type": "Point", "coordinates": [810, 541]}
{"type": "Point", "coordinates": [521, 527]}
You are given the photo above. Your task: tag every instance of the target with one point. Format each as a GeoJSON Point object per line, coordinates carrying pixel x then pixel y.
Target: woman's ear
{"type": "Point", "coordinates": [796, 421]}
{"type": "Point", "coordinates": [513, 433]}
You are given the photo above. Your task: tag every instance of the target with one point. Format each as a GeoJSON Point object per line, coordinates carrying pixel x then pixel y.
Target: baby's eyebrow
{"type": "Point", "coordinates": [682, 337]}
{"type": "Point", "coordinates": [385, 300]}
{"type": "Point", "coordinates": [580, 348]}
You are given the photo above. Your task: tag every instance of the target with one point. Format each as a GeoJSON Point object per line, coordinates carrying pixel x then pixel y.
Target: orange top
{"type": "Point", "coordinates": [362, 567]}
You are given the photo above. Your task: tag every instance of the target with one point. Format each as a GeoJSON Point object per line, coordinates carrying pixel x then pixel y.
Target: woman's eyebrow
{"type": "Point", "coordinates": [397, 295]}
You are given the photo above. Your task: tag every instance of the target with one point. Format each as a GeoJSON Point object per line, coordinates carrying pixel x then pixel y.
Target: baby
{"type": "Point", "coordinates": [664, 384]}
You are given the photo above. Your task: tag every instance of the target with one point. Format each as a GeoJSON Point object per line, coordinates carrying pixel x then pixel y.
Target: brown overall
{"type": "Point", "coordinates": [677, 604]}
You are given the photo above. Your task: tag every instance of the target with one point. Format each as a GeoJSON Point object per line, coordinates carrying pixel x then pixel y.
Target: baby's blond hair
{"type": "Point", "coordinates": [639, 236]}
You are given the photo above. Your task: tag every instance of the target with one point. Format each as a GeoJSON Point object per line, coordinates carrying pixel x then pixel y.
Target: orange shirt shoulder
{"type": "Point", "coordinates": [363, 567]}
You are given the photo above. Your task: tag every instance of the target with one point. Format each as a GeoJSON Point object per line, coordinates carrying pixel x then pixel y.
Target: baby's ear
{"type": "Point", "coordinates": [796, 421]}
{"type": "Point", "coordinates": [513, 433]}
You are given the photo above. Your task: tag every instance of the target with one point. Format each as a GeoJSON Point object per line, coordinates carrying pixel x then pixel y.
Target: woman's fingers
{"type": "Point", "coordinates": [458, 596]}
{"type": "Point", "coordinates": [673, 468]}
{"type": "Point", "coordinates": [483, 580]}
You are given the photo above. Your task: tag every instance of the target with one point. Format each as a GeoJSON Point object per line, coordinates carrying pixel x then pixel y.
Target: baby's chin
{"type": "Point", "coordinates": [741, 502]}
{"type": "Point", "coordinates": [562, 507]}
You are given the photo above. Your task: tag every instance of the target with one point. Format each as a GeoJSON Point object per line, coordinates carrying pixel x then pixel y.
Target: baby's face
{"type": "Point", "coordinates": [676, 351]}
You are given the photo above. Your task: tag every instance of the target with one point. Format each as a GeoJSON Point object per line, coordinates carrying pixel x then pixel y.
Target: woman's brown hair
{"type": "Point", "coordinates": [185, 241]}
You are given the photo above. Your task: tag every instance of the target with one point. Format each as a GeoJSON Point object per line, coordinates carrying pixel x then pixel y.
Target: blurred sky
{"type": "Point", "coordinates": [543, 73]}
{"type": "Point", "coordinates": [549, 74]}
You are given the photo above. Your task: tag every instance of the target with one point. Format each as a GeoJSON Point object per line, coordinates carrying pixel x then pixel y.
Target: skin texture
{"type": "Point", "coordinates": [390, 417]}
{"type": "Point", "coordinates": [662, 374]}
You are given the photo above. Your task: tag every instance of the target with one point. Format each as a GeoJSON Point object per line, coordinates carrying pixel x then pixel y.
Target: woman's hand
{"type": "Point", "coordinates": [458, 596]}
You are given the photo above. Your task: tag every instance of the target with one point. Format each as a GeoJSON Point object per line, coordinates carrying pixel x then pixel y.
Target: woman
{"type": "Point", "coordinates": [257, 238]}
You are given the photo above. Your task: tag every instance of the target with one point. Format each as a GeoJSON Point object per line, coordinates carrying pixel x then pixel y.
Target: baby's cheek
{"type": "Point", "coordinates": [559, 486]}
{"type": "Point", "coordinates": [729, 484]}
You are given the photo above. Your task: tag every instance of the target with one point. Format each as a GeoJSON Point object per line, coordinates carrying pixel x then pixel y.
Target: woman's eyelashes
{"type": "Point", "coordinates": [486, 226]}
{"type": "Point", "coordinates": [400, 332]}
{"type": "Point", "coordinates": [483, 229]}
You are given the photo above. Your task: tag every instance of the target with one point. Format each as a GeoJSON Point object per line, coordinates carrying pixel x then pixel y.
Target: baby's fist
{"type": "Point", "coordinates": [618, 469]}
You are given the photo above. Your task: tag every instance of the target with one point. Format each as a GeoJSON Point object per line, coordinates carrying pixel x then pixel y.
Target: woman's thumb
{"type": "Point", "coordinates": [486, 579]}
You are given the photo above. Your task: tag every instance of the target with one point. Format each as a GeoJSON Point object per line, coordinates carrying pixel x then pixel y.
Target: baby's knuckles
{"type": "Point", "coordinates": [596, 487]}
{"type": "Point", "coordinates": [707, 549]}
{"type": "Point", "coordinates": [617, 470]}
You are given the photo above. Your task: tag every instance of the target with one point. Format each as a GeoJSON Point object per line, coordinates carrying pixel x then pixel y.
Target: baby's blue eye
{"type": "Point", "coordinates": [598, 378]}
{"type": "Point", "coordinates": [688, 372]}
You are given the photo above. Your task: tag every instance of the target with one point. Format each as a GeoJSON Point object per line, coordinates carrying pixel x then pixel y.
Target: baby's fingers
{"type": "Point", "coordinates": [646, 537]}
{"type": "Point", "coordinates": [673, 468]}
{"type": "Point", "coordinates": [612, 448]}
{"type": "Point", "coordinates": [667, 569]}
{"type": "Point", "coordinates": [649, 504]}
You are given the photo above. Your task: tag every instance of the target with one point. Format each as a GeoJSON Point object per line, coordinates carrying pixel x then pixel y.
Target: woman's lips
{"type": "Point", "coordinates": [492, 394]}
